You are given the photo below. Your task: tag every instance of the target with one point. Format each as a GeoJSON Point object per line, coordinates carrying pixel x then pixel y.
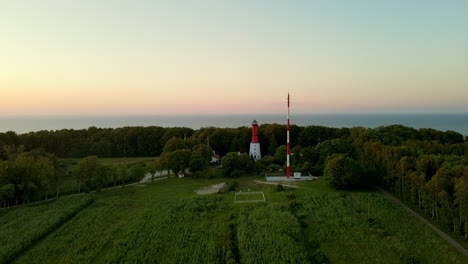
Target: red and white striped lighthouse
{"type": "Point", "coordinates": [288, 146]}
{"type": "Point", "coordinates": [254, 144]}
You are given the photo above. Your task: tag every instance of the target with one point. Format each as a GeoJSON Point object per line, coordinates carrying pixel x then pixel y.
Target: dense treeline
{"type": "Point", "coordinates": [150, 141]}
{"type": "Point", "coordinates": [426, 167]}
{"type": "Point", "coordinates": [102, 142]}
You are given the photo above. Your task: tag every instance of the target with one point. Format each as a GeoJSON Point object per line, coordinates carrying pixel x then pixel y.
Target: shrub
{"type": "Point", "coordinates": [319, 257]}
{"type": "Point", "coordinates": [211, 174]}
{"type": "Point", "coordinates": [343, 172]}
{"type": "Point", "coordinates": [232, 186]}
{"type": "Point", "coordinates": [279, 188]}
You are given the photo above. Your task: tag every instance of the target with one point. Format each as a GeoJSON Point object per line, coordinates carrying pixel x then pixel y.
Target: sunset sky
{"type": "Point", "coordinates": [90, 57]}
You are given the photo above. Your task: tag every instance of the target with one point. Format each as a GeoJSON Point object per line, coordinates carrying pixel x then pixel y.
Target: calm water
{"type": "Point", "coordinates": [455, 122]}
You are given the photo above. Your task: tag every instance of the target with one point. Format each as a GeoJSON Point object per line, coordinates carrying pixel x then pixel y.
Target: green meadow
{"type": "Point", "coordinates": [166, 222]}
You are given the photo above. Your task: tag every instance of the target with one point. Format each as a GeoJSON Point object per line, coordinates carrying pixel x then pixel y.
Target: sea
{"type": "Point", "coordinates": [443, 122]}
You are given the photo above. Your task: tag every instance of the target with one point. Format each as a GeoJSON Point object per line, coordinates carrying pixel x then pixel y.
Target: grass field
{"type": "Point", "coordinates": [166, 222]}
{"type": "Point", "coordinates": [21, 227]}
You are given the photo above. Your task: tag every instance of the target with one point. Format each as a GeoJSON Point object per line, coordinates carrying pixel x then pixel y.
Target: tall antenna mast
{"type": "Point", "coordinates": [288, 147]}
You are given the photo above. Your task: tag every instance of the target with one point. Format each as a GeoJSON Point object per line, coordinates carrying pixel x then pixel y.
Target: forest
{"type": "Point", "coordinates": [425, 167]}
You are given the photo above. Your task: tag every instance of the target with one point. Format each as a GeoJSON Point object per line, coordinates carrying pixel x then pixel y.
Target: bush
{"type": "Point", "coordinates": [300, 215]}
{"type": "Point", "coordinates": [408, 257]}
{"type": "Point", "coordinates": [295, 206]}
{"type": "Point", "coordinates": [259, 167]}
{"type": "Point", "coordinates": [279, 188]}
{"type": "Point", "coordinates": [136, 173]}
{"type": "Point", "coordinates": [319, 257]}
{"type": "Point", "coordinates": [343, 172]}
{"type": "Point", "coordinates": [232, 186]}
{"type": "Point", "coordinates": [313, 244]}
{"type": "Point", "coordinates": [235, 174]}
{"type": "Point", "coordinates": [209, 173]}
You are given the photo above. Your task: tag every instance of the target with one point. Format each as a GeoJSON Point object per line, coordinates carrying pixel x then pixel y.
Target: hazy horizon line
{"type": "Point", "coordinates": [233, 114]}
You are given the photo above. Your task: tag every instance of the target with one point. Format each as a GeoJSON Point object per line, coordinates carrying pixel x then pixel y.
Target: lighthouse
{"type": "Point", "coordinates": [254, 145]}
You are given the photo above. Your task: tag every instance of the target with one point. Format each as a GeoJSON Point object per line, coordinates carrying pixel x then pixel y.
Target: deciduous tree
{"type": "Point", "coordinates": [343, 172]}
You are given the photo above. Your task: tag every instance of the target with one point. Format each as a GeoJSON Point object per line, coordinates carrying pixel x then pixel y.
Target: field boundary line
{"type": "Point", "coordinates": [42, 201]}
{"type": "Point", "coordinates": [441, 233]}
{"type": "Point", "coordinates": [248, 201]}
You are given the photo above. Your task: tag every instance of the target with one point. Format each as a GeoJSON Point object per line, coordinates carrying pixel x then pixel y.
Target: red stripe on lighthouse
{"type": "Point", "coordinates": [254, 132]}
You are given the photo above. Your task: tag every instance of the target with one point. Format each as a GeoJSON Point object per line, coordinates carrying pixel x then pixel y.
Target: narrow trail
{"type": "Point", "coordinates": [157, 176]}
{"type": "Point", "coordinates": [286, 184]}
{"type": "Point", "coordinates": [442, 234]}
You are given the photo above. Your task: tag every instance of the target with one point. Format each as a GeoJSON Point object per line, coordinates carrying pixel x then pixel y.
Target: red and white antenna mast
{"type": "Point", "coordinates": [288, 147]}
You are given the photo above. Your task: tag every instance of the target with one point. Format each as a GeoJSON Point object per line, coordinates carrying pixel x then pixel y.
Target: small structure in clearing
{"type": "Point", "coordinates": [297, 177]}
{"type": "Point", "coordinates": [215, 158]}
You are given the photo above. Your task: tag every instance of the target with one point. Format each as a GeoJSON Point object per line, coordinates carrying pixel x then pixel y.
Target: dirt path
{"type": "Point", "coordinates": [286, 184]}
{"type": "Point", "coordinates": [157, 175]}
{"type": "Point", "coordinates": [211, 189]}
{"type": "Point", "coordinates": [420, 218]}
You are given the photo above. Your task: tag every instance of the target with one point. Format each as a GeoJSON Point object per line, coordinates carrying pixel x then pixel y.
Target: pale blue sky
{"type": "Point", "coordinates": [159, 57]}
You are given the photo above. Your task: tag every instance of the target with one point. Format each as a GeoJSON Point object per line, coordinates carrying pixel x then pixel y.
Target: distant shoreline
{"type": "Point", "coordinates": [440, 121]}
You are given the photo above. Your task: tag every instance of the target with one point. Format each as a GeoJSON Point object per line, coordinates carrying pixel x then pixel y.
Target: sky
{"type": "Point", "coordinates": [88, 57]}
